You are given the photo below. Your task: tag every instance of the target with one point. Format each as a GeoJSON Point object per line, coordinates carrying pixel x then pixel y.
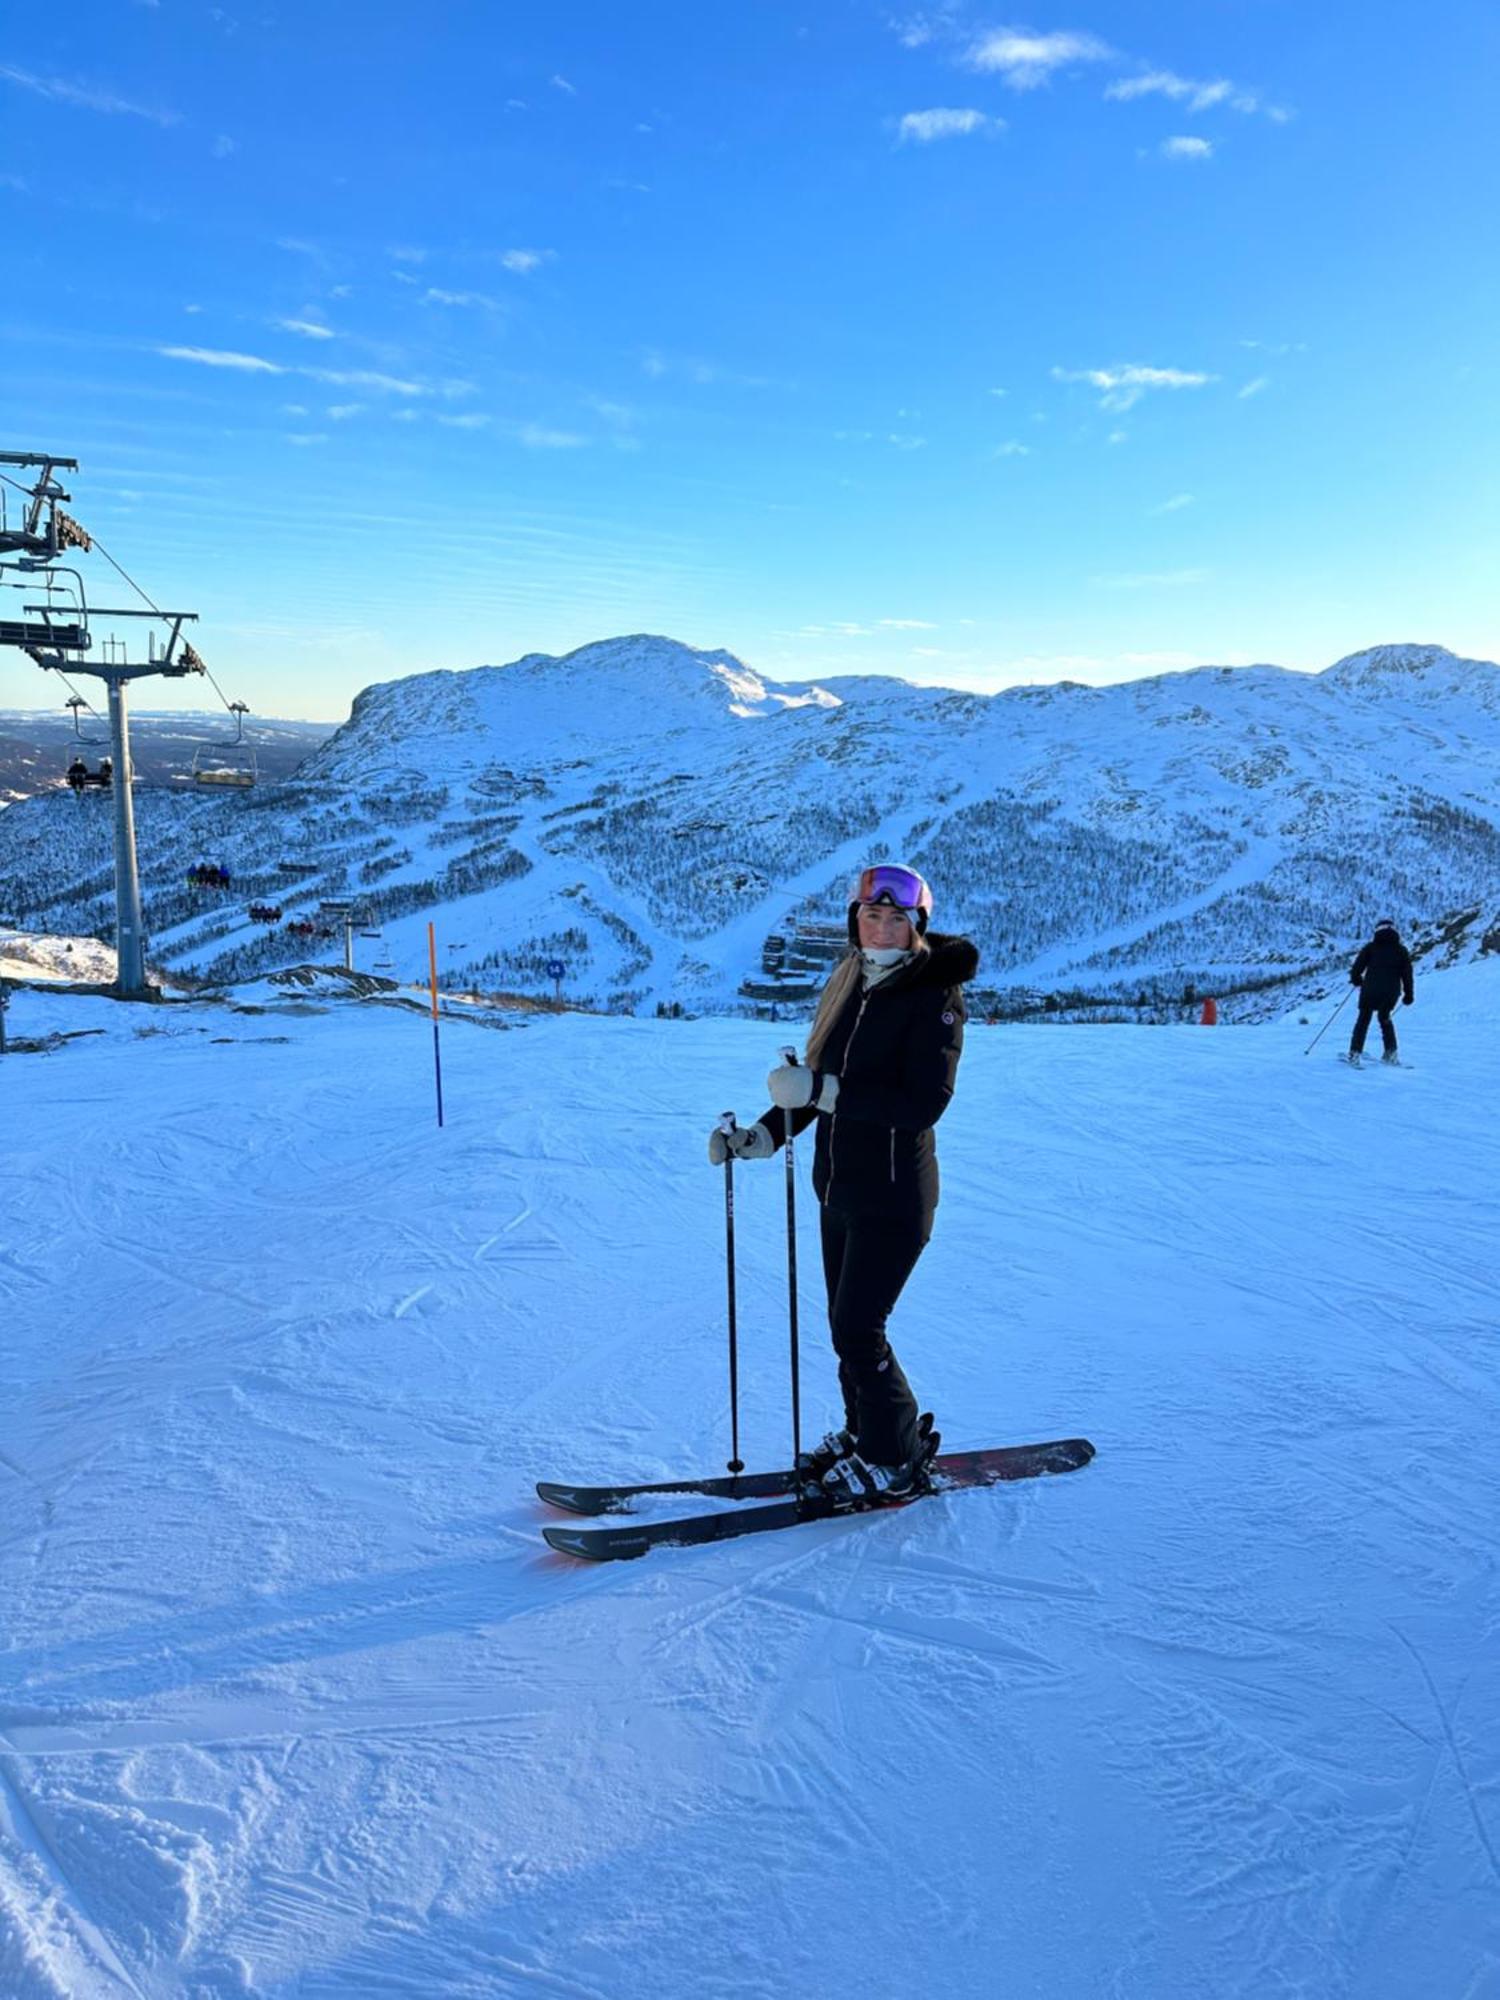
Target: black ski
{"type": "Point", "coordinates": [724, 1486]}
{"type": "Point", "coordinates": [617, 1499]}
{"type": "Point", "coordinates": [950, 1473]}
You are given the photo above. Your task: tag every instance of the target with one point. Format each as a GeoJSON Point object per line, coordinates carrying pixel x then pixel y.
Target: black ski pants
{"type": "Point", "coordinates": [866, 1262]}
{"type": "Point", "coordinates": [1362, 1027]}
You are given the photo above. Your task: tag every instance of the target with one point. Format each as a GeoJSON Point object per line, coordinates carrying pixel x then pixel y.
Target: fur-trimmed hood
{"type": "Point", "coordinates": [947, 961]}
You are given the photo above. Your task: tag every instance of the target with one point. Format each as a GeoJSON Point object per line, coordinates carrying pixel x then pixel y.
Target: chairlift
{"type": "Point", "coordinates": [75, 703]}
{"type": "Point", "coordinates": [60, 622]}
{"type": "Point", "coordinates": [265, 913]}
{"type": "Point", "coordinates": [80, 777]}
{"type": "Point", "coordinates": [210, 875]}
{"type": "Point", "coordinates": [212, 767]}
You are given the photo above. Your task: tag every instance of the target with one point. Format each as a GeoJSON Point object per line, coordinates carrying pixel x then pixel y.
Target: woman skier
{"type": "Point", "coordinates": [880, 1066]}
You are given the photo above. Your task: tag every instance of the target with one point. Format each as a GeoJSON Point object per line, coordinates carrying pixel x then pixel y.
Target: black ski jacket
{"type": "Point", "coordinates": [1382, 972]}
{"type": "Point", "coordinates": [895, 1050]}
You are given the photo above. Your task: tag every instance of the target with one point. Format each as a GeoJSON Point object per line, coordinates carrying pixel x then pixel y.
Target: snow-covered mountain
{"type": "Point", "coordinates": [650, 814]}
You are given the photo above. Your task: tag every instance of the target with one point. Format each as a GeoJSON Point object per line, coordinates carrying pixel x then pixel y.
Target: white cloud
{"type": "Point", "coordinates": [341, 412]}
{"type": "Point", "coordinates": [85, 96]}
{"type": "Point", "coordinates": [1124, 387]}
{"type": "Point", "coordinates": [536, 437]}
{"type": "Point", "coordinates": [310, 329]}
{"type": "Point", "coordinates": [294, 409]}
{"type": "Point", "coordinates": [904, 443]}
{"type": "Point", "coordinates": [1195, 95]}
{"type": "Point", "coordinates": [1187, 149]}
{"type": "Point", "coordinates": [336, 378]}
{"type": "Point", "coordinates": [1118, 437]}
{"type": "Point", "coordinates": [1026, 61]}
{"type": "Point", "coordinates": [436, 296]}
{"type": "Point", "coordinates": [925, 126]}
{"type": "Point", "coordinates": [1253, 388]}
{"type": "Point", "coordinates": [562, 83]}
{"type": "Point", "coordinates": [307, 437]}
{"type": "Point", "coordinates": [407, 253]}
{"type": "Point", "coordinates": [689, 368]}
{"type": "Point", "coordinates": [1176, 504]}
{"type": "Point", "coordinates": [997, 392]}
{"type": "Point", "coordinates": [213, 357]}
{"type": "Point", "coordinates": [223, 146]}
{"type": "Point", "coordinates": [363, 378]}
{"type": "Point", "coordinates": [612, 413]}
{"type": "Point", "coordinates": [1012, 448]}
{"type": "Point", "coordinates": [915, 32]}
{"type": "Point", "coordinates": [524, 261]}
{"type": "Point", "coordinates": [472, 420]}
{"type": "Point", "coordinates": [908, 625]}
{"type": "Point", "coordinates": [1172, 579]}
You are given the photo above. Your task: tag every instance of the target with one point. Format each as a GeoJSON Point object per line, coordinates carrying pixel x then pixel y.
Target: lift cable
{"type": "Point", "coordinates": [228, 704]}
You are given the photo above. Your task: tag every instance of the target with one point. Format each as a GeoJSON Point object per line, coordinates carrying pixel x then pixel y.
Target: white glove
{"type": "Point", "coordinates": [794, 1087]}
{"type": "Point", "coordinates": [745, 1142]}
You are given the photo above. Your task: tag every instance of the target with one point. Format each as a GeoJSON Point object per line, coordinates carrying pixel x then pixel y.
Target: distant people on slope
{"type": "Point", "coordinates": [1382, 972]}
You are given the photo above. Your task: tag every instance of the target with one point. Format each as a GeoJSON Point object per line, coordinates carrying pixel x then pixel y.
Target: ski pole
{"type": "Point", "coordinates": [736, 1463]}
{"type": "Point", "coordinates": [1330, 1021]}
{"type": "Point", "coordinates": [790, 1056]}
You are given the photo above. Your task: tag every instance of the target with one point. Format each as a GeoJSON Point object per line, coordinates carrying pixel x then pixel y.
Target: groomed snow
{"type": "Point", "coordinates": [294, 1701]}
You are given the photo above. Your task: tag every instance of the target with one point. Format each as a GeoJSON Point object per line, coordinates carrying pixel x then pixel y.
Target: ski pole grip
{"type": "Point", "coordinates": [726, 1122]}
{"type": "Point", "coordinates": [789, 1056]}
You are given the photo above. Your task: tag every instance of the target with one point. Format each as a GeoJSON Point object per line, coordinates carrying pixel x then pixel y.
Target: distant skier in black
{"type": "Point", "coordinates": [881, 1062]}
{"type": "Point", "coordinates": [1382, 972]}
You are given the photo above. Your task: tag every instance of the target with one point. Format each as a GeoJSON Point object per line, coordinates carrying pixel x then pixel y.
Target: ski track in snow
{"type": "Point", "coordinates": [295, 1702]}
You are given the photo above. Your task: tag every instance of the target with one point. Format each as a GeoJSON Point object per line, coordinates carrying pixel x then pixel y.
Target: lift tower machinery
{"type": "Point", "coordinates": [55, 632]}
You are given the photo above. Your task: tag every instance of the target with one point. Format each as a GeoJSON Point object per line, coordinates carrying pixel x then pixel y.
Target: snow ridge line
{"type": "Point", "coordinates": [22, 1830]}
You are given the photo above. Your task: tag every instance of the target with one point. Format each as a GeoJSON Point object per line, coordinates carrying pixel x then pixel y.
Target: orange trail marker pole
{"type": "Point", "coordinates": [437, 1053]}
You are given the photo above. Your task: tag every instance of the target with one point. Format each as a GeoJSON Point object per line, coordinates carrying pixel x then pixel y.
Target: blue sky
{"type": "Point", "coordinates": [973, 347]}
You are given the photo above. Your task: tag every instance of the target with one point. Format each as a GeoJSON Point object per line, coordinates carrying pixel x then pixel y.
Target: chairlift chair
{"type": "Point", "coordinates": [206, 771]}
{"type": "Point", "coordinates": [210, 767]}
{"type": "Point", "coordinates": [59, 623]}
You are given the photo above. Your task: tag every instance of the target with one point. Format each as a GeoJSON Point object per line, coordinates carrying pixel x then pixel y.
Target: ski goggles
{"type": "Point", "coordinates": [888, 883]}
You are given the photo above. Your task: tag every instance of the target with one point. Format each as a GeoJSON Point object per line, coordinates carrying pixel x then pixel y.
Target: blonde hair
{"type": "Point", "coordinates": [846, 975]}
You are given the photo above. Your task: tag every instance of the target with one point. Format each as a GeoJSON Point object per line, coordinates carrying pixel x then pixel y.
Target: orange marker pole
{"type": "Point", "coordinates": [437, 1053]}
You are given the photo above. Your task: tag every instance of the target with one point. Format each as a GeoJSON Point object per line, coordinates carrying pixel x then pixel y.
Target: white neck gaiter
{"type": "Point", "coordinates": [878, 965]}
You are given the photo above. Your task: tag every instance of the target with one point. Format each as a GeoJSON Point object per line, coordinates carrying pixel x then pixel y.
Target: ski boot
{"type": "Point", "coordinates": [814, 1462]}
{"type": "Point", "coordinates": [854, 1483]}
{"type": "Point", "coordinates": [834, 1445]}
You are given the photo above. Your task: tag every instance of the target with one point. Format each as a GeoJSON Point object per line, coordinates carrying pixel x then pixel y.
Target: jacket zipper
{"type": "Point", "coordinates": [893, 1156]}
{"type": "Point", "coordinates": [864, 1001]}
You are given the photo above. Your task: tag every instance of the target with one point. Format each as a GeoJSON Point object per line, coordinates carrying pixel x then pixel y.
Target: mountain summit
{"type": "Point", "coordinates": [638, 690]}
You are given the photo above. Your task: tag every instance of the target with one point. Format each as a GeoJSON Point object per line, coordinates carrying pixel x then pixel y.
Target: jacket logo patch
{"type": "Point", "coordinates": [949, 1019]}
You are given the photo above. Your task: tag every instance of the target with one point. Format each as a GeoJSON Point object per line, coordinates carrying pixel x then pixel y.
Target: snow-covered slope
{"type": "Point", "coordinates": [649, 815]}
{"type": "Point", "coordinates": [293, 1702]}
